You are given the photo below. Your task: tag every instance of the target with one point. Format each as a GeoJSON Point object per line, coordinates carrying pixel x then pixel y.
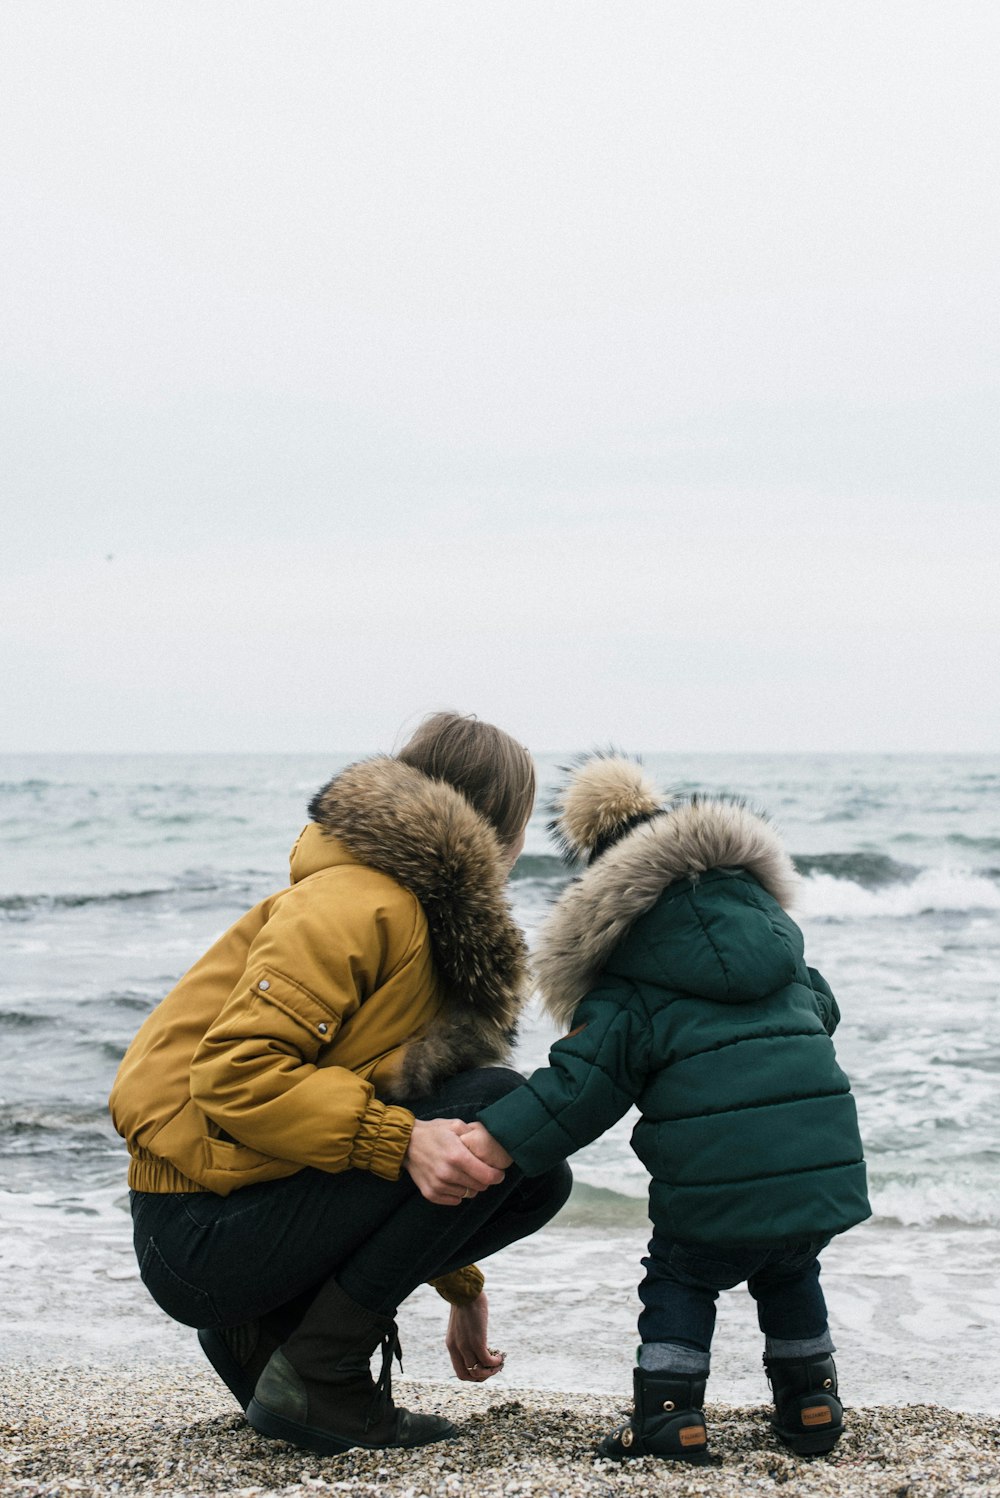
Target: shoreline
{"type": "Point", "coordinates": [94, 1432]}
{"type": "Point", "coordinates": [562, 1306]}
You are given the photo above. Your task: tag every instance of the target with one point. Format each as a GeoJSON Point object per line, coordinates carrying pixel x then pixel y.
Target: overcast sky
{"type": "Point", "coordinates": [615, 371]}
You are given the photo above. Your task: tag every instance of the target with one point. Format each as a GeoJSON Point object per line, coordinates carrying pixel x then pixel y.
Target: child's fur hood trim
{"type": "Point", "coordinates": [428, 837]}
{"type": "Point", "coordinates": [684, 841]}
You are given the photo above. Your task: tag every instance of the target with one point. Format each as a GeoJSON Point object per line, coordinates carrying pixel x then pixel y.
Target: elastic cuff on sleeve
{"type": "Point", "coordinates": [462, 1286]}
{"type": "Point", "coordinates": [382, 1140]}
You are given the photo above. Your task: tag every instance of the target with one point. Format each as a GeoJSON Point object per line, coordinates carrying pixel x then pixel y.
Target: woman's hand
{"type": "Point", "coordinates": [471, 1359]}
{"type": "Point", "coordinates": [480, 1141]}
{"type": "Point", "coordinates": [443, 1169]}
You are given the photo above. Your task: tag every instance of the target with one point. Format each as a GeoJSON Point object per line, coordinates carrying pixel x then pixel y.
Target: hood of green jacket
{"type": "Point", "coordinates": [718, 937]}
{"type": "Point", "coordinates": [716, 931]}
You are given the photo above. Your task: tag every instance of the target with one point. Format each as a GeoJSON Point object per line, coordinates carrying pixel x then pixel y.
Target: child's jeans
{"type": "Point", "coordinates": [683, 1281]}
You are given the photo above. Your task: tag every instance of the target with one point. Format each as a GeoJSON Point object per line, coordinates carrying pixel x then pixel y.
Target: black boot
{"type": "Point", "coordinates": [239, 1354]}
{"type": "Point", "coordinates": [808, 1416]}
{"type": "Point", "coordinates": [317, 1390]}
{"type": "Point", "coordinates": [668, 1419]}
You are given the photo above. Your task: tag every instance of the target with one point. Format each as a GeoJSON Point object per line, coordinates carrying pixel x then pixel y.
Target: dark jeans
{"type": "Point", "coordinates": [683, 1281]}
{"type": "Point", "coordinates": [211, 1260]}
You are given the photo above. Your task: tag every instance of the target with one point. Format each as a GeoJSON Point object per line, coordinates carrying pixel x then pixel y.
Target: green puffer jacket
{"type": "Point", "coordinates": [687, 993]}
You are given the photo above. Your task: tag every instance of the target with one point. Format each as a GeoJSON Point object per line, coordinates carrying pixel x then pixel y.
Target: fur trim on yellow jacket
{"type": "Point", "coordinates": [390, 963]}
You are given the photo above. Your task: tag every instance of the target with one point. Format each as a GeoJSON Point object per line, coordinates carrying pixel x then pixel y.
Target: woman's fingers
{"type": "Point", "coordinates": [445, 1196]}
{"type": "Point", "coordinates": [471, 1359]}
{"type": "Point", "coordinates": [445, 1171]}
{"type": "Point", "coordinates": [480, 1367]}
{"type": "Point", "coordinates": [448, 1194]}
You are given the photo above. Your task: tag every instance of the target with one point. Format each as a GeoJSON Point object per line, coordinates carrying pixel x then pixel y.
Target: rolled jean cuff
{"type": "Point", "coordinates": [672, 1357]}
{"type": "Point", "coordinates": [798, 1347]}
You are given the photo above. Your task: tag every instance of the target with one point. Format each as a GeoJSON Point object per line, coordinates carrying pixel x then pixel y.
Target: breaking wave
{"type": "Point", "coordinates": [824, 896]}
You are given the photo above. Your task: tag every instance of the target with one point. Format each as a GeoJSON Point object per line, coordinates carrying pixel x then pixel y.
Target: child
{"type": "Point", "coordinates": [682, 983]}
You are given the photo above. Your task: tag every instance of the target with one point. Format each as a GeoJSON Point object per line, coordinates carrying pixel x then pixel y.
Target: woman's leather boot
{"type": "Point", "coordinates": [239, 1354]}
{"type": "Point", "coordinates": [317, 1390]}
{"type": "Point", "coordinates": [668, 1419]}
{"type": "Point", "coordinates": [808, 1416]}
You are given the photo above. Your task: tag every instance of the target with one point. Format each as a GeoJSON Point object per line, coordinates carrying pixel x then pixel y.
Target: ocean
{"type": "Point", "coordinates": [116, 872]}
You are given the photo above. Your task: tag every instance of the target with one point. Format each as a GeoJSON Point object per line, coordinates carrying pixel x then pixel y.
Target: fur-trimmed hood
{"type": "Point", "coordinates": [428, 837]}
{"type": "Point", "coordinates": [683, 841]}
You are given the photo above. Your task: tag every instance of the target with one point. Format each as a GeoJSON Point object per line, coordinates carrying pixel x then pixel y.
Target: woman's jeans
{"type": "Point", "coordinates": [211, 1261]}
{"type": "Point", "coordinates": [683, 1281]}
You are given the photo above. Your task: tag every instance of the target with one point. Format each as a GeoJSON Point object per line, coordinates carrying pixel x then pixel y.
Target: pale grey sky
{"type": "Point", "coordinates": [613, 371]}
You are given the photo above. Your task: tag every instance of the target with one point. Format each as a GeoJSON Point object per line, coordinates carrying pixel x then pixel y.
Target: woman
{"type": "Point", "coordinates": [293, 1109]}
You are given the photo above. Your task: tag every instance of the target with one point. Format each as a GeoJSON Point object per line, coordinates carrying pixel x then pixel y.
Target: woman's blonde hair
{"type": "Point", "coordinates": [491, 769]}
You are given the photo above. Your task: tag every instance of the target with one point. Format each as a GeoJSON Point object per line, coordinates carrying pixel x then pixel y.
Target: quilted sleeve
{"type": "Point", "coordinates": [593, 1077]}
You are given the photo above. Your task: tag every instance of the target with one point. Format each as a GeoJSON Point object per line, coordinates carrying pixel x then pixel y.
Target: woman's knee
{"type": "Point", "coordinates": [543, 1196]}
{"type": "Point", "coordinates": [560, 1180]}
{"type": "Point", "coordinates": [498, 1081]}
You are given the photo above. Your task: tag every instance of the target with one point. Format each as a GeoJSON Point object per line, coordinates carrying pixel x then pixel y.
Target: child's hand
{"type": "Point", "coordinates": [482, 1144]}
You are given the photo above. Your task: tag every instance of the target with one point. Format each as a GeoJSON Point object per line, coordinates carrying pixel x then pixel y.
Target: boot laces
{"type": "Point", "coordinates": [382, 1396]}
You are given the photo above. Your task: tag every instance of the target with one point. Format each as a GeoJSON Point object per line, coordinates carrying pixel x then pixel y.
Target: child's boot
{"type": "Point", "coordinates": [668, 1419]}
{"type": "Point", "coordinates": [808, 1416]}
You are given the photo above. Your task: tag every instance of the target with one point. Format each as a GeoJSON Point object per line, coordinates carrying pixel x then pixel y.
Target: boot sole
{"type": "Point", "coordinates": [804, 1444]}
{"type": "Point", "coordinates": [323, 1442]}
{"type": "Point", "coordinates": [614, 1451]}
{"type": "Point", "coordinates": [700, 1458]}
{"type": "Point", "coordinates": [232, 1373]}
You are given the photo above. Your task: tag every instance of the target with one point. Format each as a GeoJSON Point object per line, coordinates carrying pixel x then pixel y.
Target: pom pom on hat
{"type": "Point", "coordinates": [605, 795]}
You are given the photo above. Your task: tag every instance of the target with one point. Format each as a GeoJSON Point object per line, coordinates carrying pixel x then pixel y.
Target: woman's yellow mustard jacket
{"type": "Point", "coordinates": [390, 963]}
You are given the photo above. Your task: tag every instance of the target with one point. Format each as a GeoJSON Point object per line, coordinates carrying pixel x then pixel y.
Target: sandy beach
{"type": "Point", "coordinates": [142, 1429]}
{"type": "Point", "coordinates": [101, 1394]}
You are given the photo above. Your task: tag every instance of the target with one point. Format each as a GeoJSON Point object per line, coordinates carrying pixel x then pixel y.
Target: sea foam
{"type": "Point", "coordinates": [823, 897]}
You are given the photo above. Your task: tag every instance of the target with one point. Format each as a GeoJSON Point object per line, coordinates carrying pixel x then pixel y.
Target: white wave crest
{"type": "Point", "coordinates": [920, 1202]}
{"type": "Point", "coordinates": [822, 896]}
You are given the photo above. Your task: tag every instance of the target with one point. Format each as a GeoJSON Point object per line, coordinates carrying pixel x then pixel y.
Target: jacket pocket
{"type": "Point", "coordinates": [182, 1301]}
{"type": "Point", "coordinates": [297, 1003]}
{"type": "Point", "coordinates": [189, 1143]}
{"type": "Point", "coordinates": [228, 1165]}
